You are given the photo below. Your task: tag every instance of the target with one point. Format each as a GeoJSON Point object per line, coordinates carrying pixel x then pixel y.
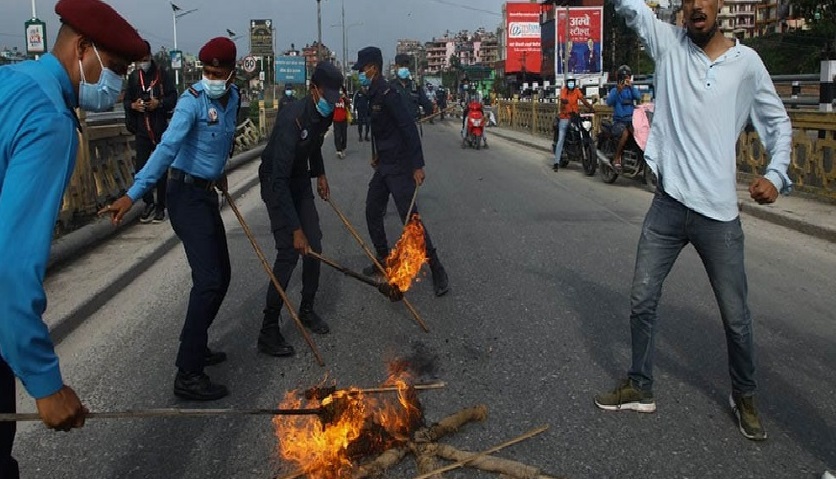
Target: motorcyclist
{"type": "Point", "coordinates": [622, 98]}
{"type": "Point", "coordinates": [570, 95]}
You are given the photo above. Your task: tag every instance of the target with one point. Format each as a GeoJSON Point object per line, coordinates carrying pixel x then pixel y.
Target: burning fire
{"type": "Point", "coordinates": [354, 425]}
{"type": "Point", "coordinates": [410, 253]}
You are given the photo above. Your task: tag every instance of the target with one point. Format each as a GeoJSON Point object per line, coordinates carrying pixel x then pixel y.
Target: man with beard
{"type": "Point", "coordinates": [708, 87]}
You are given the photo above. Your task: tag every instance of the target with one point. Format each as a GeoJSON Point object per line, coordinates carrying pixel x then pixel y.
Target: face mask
{"type": "Point", "coordinates": [288, 92]}
{"type": "Point", "coordinates": [215, 88]}
{"type": "Point", "coordinates": [570, 85]}
{"type": "Point", "coordinates": [101, 96]}
{"type": "Point", "coordinates": [324, 108]}
{"type": "Point", "coordinates": [363, 79]}
{"type": "Point", "coordinates": [144, 66]}
{"type": "Point", "coordinates": [403, 73]}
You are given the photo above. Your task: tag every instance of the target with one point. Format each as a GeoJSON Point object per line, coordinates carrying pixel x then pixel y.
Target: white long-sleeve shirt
{"type": "Point", "coordinates": [701, 108]}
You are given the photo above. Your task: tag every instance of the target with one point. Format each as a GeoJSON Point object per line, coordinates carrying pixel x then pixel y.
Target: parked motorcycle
{"type": "Point", "coordinates": [633, 164]}
{"type": "Point", "coordinates": [474, 127]}
{"type": "Point", "coordinates": [578, 145]}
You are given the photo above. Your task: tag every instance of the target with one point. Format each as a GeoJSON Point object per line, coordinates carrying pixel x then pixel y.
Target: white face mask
{"type": "Point", "coordinates": [216, 88]}
{"type": "Point", "coordinates": [144, 66]}
{"type": "Point", "coordinates": [100, 96]}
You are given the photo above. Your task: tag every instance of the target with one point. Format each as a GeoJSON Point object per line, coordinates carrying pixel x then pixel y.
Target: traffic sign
{"type": "Point", "coordinates": [249, 64]}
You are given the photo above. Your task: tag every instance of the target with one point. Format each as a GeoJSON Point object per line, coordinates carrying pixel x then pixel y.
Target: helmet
{"type": "Point", "coordinates": [570, 80]}
{"type": "Point", "coordinates": [624, 72]}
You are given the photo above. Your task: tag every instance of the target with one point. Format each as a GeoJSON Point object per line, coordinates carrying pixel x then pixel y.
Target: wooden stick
{"type": "Point", "coordinates": [411, 205]}
{"type": "Point", "coordinates": [430, 117]}
{"type": "Point", "coordinates": [169, 412]}
{"type": "Point", "coordinates": [343, 269]}
{"type": "Point", "coordinates": [371, 256]}
{"type": "Point", "coordinates": [507, 467]}
{"type": "Point", "coordinates": [417, 387]}
{"type": "Point", "coordinates": [273, 278]}
{"type": "Point", "coordinates": [492, 450]}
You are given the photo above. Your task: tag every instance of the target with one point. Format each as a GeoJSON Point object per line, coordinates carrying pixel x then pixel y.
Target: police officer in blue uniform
{"type": "Point", "coordinates": [38, 146]}
{"type": "Point", "coordinates": [414, 95]}
{"type": "Point", "coordinates": [292, 157]}
{"type": "Point", "coordinates": [196, 146]}
{"type": "Point", "coordinates": [287, 98]}
{"type": "Point", "coordinates": [361, 107]}
{"type": "Point", "coordinates": [397, 159]}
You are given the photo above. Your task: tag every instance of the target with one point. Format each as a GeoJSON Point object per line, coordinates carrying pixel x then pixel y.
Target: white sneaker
{"type": "Point", "coordinates": [828, 475]}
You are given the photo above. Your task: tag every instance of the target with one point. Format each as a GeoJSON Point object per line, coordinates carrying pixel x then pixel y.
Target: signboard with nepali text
{"type": "Point", "coordinates": [261, 37]}
{"type": "Point", "coordinates": [290, 69]}
{"type": "Point", "coordinates": [522, 24]}
{"type": "Point", "coordinates": [586, 33]}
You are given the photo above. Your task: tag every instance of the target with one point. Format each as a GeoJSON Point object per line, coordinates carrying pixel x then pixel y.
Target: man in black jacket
{"type": "Point", "coordinates": [361, 107]}
{"type": "Point", "coordinates": [149, 99]}
{"type": "Point", "coordinates": [292, 157]}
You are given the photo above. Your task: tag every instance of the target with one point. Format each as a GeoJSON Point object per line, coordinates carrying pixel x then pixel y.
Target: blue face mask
{"type": "Point", "coordinates": [324, 108]}
{"type": "Point", "coordinates": [288, 92]}
{"type": "Point", "coordinates": [403, 73]}
{"type": "Point", "coordinates": [364, 81]}
{"type": "Point", "coordinates": [101, 96]}
{"type": "Point", "coordinates": [215, 88]}
{"type": "Point", "coordinates": [570, 85]}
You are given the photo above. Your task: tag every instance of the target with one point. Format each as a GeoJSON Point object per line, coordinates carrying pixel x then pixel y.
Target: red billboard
{"type": "Point", "coordinates": [522, 27]}
{"type": "Point", "coordinates": [586, 32]}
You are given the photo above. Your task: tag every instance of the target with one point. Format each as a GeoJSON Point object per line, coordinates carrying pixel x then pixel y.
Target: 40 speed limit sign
{"type": "Point", "coordinates": [249, 64]}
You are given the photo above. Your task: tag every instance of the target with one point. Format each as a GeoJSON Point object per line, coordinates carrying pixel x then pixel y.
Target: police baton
{"type": "Point", "coordinates": [273, 278]}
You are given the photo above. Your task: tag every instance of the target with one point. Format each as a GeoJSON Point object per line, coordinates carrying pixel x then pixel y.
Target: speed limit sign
{"type": "Point", "coordinates": [249, 64]}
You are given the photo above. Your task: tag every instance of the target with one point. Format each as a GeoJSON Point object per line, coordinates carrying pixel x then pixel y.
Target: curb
{"type": "Point", "coordinates": [74, 244]}
{"type": "Point", "coordinates": [63, 326]}
{"type": "Point", "coordinates": [758, 211]}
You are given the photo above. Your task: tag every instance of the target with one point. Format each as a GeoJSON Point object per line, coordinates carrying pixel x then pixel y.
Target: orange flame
{"type": "Point", "coordinates": [410, 253]}
{"type": "Point", "coordinates": [358, 423]}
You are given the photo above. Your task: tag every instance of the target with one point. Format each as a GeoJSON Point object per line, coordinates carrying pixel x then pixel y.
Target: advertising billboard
{"type": "Point", "coordinates": [586, 33]}
{"type": "Point", "coordinates": [35, 37]}
{"type": "Point", "coordinates": [522, 27]}
{"type": "Point", "coordinates": [290, 69]}
{"type": "Point", "coordinates": [261, 37]}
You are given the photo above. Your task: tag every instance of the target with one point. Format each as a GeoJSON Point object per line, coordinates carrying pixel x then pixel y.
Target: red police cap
{"type": "Point", "coordinates": [219, 51]}
{"type": "Point", "coordinates": [103, 26]}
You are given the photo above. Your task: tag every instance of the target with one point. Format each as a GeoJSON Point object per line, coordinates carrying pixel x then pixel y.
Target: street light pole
{"type": "Point", "coordinates": [319, 30]}
{"type": "Point", "coordinates": [345, 55]}
{"type": "Point", "coordinates": [174, 17]}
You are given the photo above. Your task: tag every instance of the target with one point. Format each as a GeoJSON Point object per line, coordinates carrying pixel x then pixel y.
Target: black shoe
{"type": "Point", "coordinates": [197, 387]}
{"type": "Point", "coordinates": [441, 284]}
{"type": "Point", "coordinates": [367, 138]}
{"type": "Point", "coordinates": [147, 213]}
{"type": "Point", "coordinates": [556, 167]}
{"type": "Point", "coordinates": [361, 139]}
{"type": "Point", "coordinates": [312, 321]}
{"type": "Point", "coordinates": [211, 358]}
{"type": "Point", "coordinates": [159, 216]}
{"type": "Point", "coordinates": [272, 343]}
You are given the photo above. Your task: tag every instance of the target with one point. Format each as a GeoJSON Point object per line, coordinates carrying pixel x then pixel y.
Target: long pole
{"type": "Point", "coordinates": [34, 13]}
{"type": "Point", "coordinates": [319, 30]}
{"type": "Point", "coordinates": [182, 413]}
{"type": "Point", "coordinates": [344, 51]}
{"type": "Point", "coordinates": [176, 70]}
{"type": "Point", "coordinates": [566, 51]}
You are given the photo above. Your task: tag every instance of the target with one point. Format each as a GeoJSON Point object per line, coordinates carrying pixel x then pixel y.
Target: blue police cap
{"type": "Point", "coordinates": [329, 79]}
{"type": "Point", "coordinates": [402, 60]}
{"type": "Point", "coordinates": [368, 56]}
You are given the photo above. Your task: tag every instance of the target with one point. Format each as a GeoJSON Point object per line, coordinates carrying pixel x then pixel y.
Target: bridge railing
{"type": "Point", "coordinates": [813, 161]}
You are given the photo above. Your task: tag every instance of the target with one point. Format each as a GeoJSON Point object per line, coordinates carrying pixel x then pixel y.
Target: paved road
{"type": "Point", "coordinates": [537, 322]}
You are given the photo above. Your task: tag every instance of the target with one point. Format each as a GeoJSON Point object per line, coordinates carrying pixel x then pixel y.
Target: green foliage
{"type": "Point", "coordinates": [796, 52]}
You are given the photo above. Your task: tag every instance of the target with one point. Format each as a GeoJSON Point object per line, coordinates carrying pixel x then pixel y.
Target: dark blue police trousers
{"type": "Point", "coordinates": [401, 186]}
{"type": "Point", "coordinates": [8, 465]}
{"type": "Point", "coordinates": [196, 219]}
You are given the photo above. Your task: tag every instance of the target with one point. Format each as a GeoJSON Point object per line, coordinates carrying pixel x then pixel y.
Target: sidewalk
{"type": "Point", "coordinates": [87, 267]}
{"type": "Point", "coordinates": [808, 216]}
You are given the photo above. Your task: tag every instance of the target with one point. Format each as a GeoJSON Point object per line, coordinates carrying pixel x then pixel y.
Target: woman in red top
{"type": "Point", "coordinates": [341, 123]}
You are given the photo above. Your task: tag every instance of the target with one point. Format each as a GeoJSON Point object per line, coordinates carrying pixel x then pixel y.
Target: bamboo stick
{"type": "Point", "coordinates": [170, 412]}
{"type": "Point", "coordinates": [507, 467]}
{"type": "Point", "coordinates": [492, 450]}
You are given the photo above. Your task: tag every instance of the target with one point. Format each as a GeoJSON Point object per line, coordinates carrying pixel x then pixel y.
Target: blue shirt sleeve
{"type": "Point", "coordinates": [163, 156]}
{"type": "Point", "coordinates": [612, 96]}
{"type": "Point", "coordinates": [769, 116]}
{"type": "Point", "coordinates": [637, 95]}
{"type": "Point", "coordinates": [41, 162]}
{"type": "Point", "coordinates": [657, 35]}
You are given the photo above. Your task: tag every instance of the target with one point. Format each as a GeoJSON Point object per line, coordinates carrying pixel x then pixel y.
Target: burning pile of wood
{"type": "Point", "coordinates": [364, 433]}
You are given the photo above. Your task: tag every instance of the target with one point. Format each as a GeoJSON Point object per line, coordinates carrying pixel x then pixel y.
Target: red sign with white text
{"type": "Point", "coordinates": [586, 32]}
{"type": "Point", "coordinates": [522, 25]}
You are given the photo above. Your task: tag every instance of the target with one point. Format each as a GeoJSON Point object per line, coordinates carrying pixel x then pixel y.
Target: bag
{"type": "Point", "coordinates": [348, 117]}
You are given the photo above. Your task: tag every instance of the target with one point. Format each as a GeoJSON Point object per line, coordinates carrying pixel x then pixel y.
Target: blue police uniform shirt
{"type": "Point", "coordinates": [38, 144]}
{"type": "Point", "coordinates": [198, 140]}
{"type": "Point", "coordinates": [623, 103]}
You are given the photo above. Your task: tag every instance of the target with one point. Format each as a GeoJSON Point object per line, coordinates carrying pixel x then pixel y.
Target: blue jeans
{"type": "Point", "coordinates": [668, 227]}
{"type": "Point", "coordinates": [562, 127]}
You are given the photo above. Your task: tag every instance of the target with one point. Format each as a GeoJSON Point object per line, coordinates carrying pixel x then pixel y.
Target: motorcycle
{"type": "Point", "coordinates": [474, 125]}
{"type": "Point", "coordinates": [633, 164]}
{"type": "Point", "coordinates": [578, 145]}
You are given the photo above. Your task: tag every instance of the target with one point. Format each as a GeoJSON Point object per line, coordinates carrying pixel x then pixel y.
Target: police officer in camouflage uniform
{"type": "Point", "coordinates": [397, 159]}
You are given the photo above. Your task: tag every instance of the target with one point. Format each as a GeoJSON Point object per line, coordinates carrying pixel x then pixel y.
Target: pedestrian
{"type": "Point", "coordinates": [441, 100]}
{"type": "Point", "coordinates": [570, 95]}
{"type": "Point", "coordinates": [149, 99]}
{"type": "Point", "coordinates": [398, 161]}
{"type": "Point", "coordinates": [288, 96]}
{"type": "Point", "coordinates": [196, 147]}
{"type": "Point", "coordinates": [292, 157]}
{"type": "Point", "coordinates": [340, 116]}
{"type": "Point", "coordinates": [38, 146]}
{"type": "Point", "coordinates": [417, 101]}
{"type": "Point", "coordinates": [361, 110]}
{"type": "Point", "coordinates": [708, 87]}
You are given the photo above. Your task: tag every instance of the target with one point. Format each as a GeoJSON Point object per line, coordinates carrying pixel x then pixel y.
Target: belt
{"type": "Point", "coordinates": [176, 174]}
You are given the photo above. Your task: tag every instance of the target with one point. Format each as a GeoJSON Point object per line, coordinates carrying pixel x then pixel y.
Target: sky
{"type": "Point", "coordinates": [368, 22]}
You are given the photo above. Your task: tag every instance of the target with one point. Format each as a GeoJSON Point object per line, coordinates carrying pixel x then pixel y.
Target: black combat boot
{"type": "Point", "coordinates": [197, 387]}
{"type": "Point", "coordinates": [270, 339]}
{"type": "Point", "coordinates": [441, 284]}
{"type": "Point", "coordinates": [371, 270]}
{"type": "Point", "coordinates": [311, 320]}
